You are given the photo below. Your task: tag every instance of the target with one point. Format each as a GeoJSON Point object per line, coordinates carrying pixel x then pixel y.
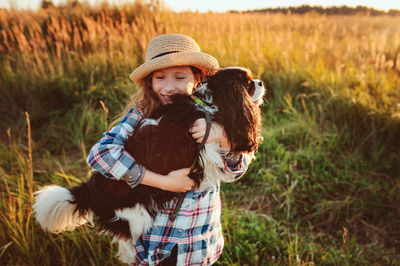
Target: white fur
{"type": "Point", "coordinates": [126, 251]}
{"type": "Point", "coordinates": [139, 222]}
{"type": "Point", "coordinates": [237, 67]}
{"type": "Point", "coordinates": [258, 92]}
{"type": "Point", "coordinates": [149, 121]}
{"type": "Point", "coordinates": [214, 167]}
{"type": "Point", "coordinates": [54, 212]}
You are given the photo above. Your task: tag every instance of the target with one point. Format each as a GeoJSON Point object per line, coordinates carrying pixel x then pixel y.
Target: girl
{"type": "Point", "coordinates": [174, 64]}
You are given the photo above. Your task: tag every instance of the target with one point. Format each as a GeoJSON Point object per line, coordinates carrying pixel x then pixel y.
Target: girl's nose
{"type": "Point", "coordinates": [170, 86]}
{"type": "Point", "coordinates": [170, 89]}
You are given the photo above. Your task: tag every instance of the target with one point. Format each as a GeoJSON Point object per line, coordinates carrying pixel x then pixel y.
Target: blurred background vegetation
{"type": "Point", "coordinates": [325, 186]}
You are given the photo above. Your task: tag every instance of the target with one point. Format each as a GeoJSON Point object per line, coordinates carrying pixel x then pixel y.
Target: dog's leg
{"type": "Point", "coordinates": [126, 251]}
{"type": "Point", "coordinates": [213, 166]}
{"type": "Point", "coordinates": [55, 212]}
{"type": "Point", "coordinates": [139, 222]}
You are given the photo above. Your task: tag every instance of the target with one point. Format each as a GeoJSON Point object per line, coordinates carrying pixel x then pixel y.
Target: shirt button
{"type": "Point", "coordinates": [180, 230]}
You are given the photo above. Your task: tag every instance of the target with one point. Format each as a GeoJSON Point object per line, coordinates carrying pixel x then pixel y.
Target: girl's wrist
{"type": "Point", "coordinates": [154, 180]}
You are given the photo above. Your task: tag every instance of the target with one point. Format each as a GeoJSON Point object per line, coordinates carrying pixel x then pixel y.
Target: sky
{"type": "Point", "coordinates": [224, 5]}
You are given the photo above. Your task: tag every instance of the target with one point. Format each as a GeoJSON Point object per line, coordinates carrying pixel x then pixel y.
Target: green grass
{"type": "Point", "coordinates": [310, 188]}
{"type": "Point", "coordinates": [324, 187]}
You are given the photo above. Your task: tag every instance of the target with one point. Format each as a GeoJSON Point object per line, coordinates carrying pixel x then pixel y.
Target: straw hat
{"type": "Point", "coordinates": [173, 50]}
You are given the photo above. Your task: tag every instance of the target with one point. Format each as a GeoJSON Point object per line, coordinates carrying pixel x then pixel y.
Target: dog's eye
{"type": "Point", "coordinates": [260, 83]}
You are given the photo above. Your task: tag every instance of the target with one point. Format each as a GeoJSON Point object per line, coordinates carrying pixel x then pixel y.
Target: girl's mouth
{"type": "Point", "coordinates": [166, 98]}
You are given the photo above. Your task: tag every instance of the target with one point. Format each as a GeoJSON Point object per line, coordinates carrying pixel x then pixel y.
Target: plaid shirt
{"type": "Point", "coordinates": [108, 155]}
{"type": "Point", "coordinates": [196, 230]}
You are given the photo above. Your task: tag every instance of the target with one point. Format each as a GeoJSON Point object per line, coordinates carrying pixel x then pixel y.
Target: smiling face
{"type": "Point", "coordinates": [173, 80]}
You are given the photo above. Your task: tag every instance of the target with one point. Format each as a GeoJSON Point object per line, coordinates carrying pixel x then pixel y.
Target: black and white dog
{"type": "Point", "coordinates": [162, 144]}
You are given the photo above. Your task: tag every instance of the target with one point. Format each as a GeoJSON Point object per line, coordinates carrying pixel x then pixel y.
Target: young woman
{"type": "Point", "coordinates": [174, 64]}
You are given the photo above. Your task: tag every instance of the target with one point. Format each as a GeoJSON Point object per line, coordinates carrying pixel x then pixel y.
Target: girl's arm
{"type": "Point", "coordinates": [175, 181]}
{"type": "Point", "coordinates": [235, 165]}
{"type": "Point", "coordinates": [109, 157]}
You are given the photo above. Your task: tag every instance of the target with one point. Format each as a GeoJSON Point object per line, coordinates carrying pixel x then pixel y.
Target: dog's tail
{"type": "Point", "coordinates": [58, 209]}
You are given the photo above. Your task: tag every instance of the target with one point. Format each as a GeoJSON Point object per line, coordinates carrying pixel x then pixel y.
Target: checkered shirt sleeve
{"type": "Point", "coordinates": [108, 155]}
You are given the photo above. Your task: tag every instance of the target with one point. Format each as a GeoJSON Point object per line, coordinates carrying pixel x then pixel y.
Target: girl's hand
{"type": "Point", "coordinates": [178, 181]}
{"type": "Point", "coordinates": [217, 133]}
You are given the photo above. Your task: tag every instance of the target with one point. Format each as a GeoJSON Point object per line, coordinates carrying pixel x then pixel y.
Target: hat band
{"type": "Point", "coordinates": [172, 52]}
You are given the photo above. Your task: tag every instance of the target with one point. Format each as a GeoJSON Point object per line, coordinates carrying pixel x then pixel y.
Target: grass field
{"type": "Point", "coordinates": [325, 186]}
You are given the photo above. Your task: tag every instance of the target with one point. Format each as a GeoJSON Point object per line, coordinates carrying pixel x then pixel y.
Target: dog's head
{"type": "Point", "coordinates": [238, 98]}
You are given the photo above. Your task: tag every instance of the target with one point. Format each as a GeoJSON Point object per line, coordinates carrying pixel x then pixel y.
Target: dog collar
{"type": "Point", "coordinates": [198, 101]}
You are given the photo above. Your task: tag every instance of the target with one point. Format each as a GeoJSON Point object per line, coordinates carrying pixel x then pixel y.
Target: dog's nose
{"type": "Point", "coordinates": [260, 83]}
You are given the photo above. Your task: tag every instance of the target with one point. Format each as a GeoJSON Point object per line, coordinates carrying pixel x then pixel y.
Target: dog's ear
{"type": "Point", "coordinates": [237, 113]}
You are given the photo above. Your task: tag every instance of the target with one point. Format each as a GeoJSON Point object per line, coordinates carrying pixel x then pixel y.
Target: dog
{"type": "Point", "coordinates": [162, 143]}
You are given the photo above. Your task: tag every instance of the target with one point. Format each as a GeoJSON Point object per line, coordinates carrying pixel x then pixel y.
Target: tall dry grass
{"type": "Point", "coordinates": [356, 57]}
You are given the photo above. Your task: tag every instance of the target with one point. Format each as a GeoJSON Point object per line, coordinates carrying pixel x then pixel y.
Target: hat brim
{"type": "Point", "coordinates": [205, 62]}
